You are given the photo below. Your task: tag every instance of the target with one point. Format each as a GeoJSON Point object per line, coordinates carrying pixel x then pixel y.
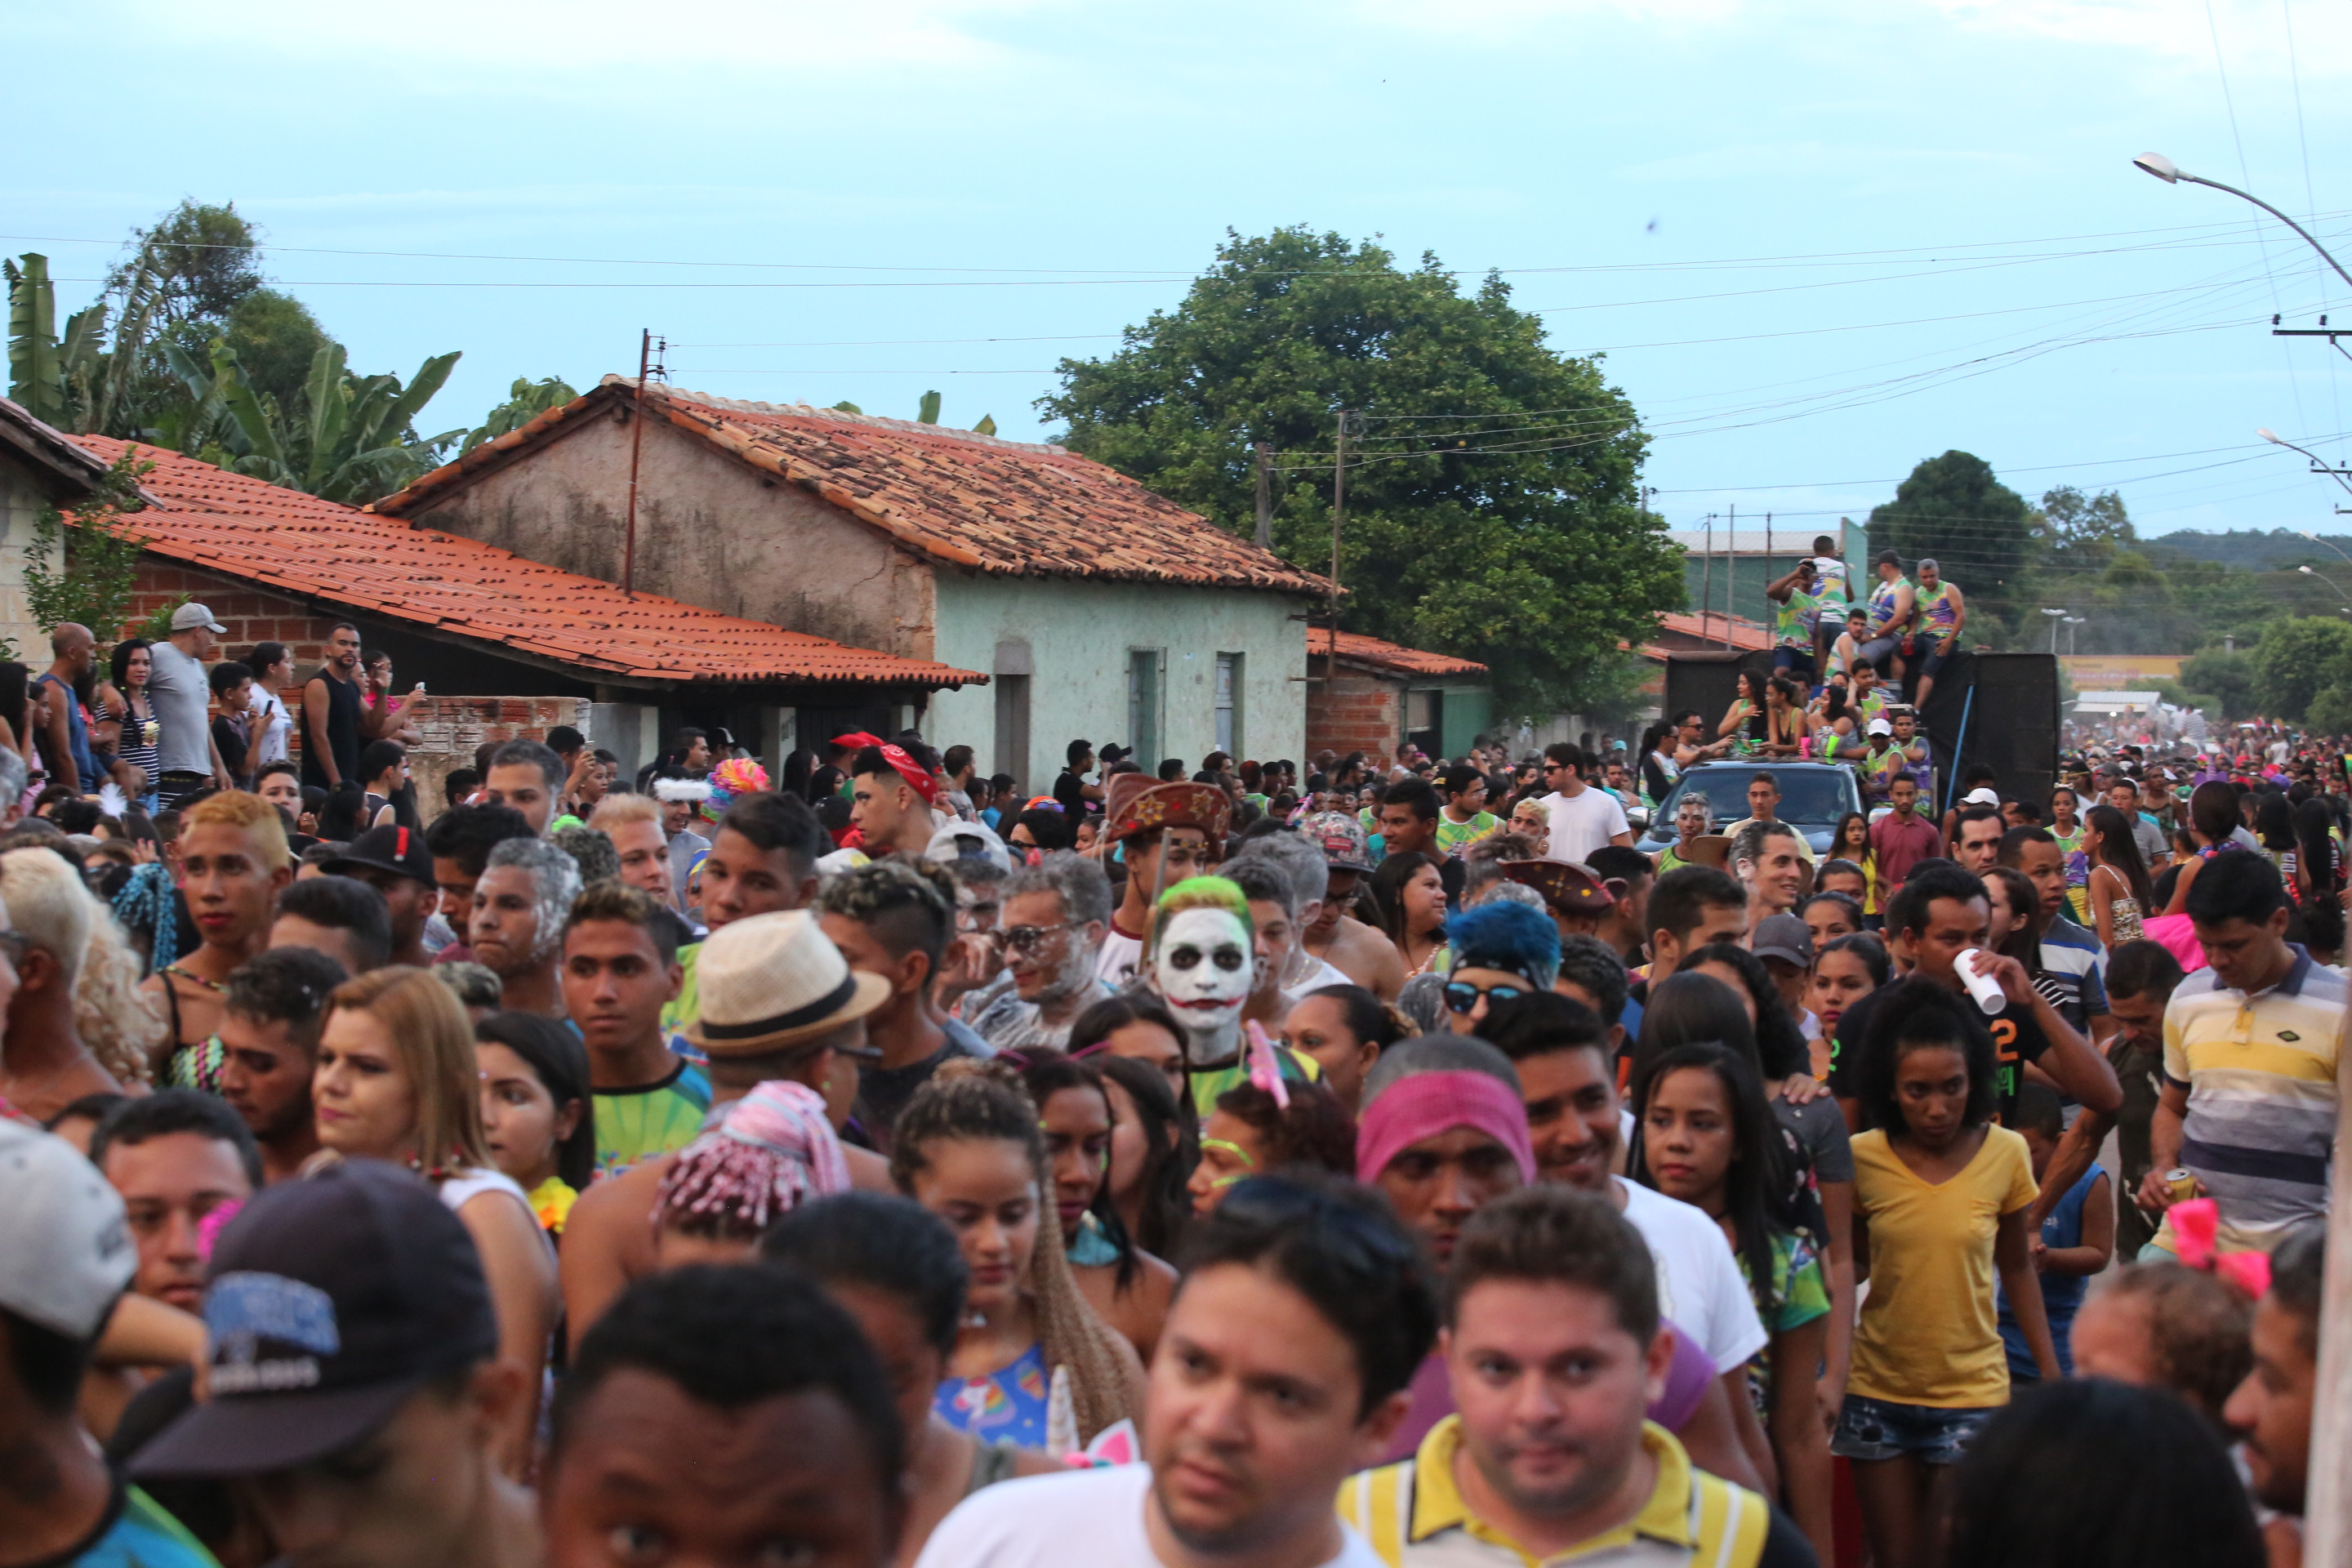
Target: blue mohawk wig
{"type": "Point", "coordinates": [1510, 937]}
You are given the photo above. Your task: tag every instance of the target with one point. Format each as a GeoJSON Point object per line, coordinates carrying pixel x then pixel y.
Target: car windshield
{"type": "Point", "coordinates": [1813, 796]}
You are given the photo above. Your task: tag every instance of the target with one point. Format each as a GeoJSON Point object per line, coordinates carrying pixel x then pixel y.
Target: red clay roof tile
{"type": "Point", "coordinates": [1007, 508]}
{"type": "Point", "coordinates": [1361, 649]}
{"type": "Point", "coordinates": [207, 517]}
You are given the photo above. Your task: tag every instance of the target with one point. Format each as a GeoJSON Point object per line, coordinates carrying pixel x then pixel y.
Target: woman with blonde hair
{"type": "Point", "coordinates": [969, 1148]}
{"type": "Point", "coordinates": [397, 1080]}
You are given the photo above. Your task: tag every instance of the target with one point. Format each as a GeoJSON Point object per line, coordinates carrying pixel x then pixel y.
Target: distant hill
{"type": "Point", "coordinates": [2253, 549]}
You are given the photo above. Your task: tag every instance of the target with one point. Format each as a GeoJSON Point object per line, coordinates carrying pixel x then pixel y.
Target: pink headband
{"type": "Point", "coordinates": [1429, 1103]}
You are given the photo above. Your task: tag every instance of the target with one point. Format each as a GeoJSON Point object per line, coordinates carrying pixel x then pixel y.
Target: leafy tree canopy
{"type": "Point", "coordinates": [2299, 657]}
{"type": "Point", "coordinates": [1492, 510]}
{"type": "Point", "coordinates": [1978, 530]}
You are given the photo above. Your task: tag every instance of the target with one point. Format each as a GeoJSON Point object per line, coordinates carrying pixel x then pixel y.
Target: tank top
{"type": "Point", "coordinates": [77, 733]}
{"type": "Point", "coordinates": [134, 748]}
{"type": "Point", "coordinates": [1882, 605]}
{"type": "Point", "coordinates": [342, 740]}
{"type": "Point", "coordinates": [1941, 613]}
{"type": "Point", "coordinates": [1796, 619]}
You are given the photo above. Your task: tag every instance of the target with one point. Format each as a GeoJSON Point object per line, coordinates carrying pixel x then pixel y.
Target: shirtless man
{"type": "Point", "coordinates": [1357, 950]}
{"type": "Point", "coordinates": [232, 864]}
{"type": "Point", "coordinates": [607, 1240]}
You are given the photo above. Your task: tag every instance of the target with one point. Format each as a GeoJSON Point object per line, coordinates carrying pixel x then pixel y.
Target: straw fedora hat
{"type": "Point", "coordinates": [771, 981]}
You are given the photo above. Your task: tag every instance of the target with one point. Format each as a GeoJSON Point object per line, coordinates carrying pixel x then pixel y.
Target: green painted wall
{"type": "Point", "coordinates": [1468, 709]}
{"type": "Point", "coordinates": [1079, 636]}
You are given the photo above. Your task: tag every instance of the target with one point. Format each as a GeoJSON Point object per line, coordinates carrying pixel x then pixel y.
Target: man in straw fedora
{"type": "Point", "coordinates": [779, 1002]}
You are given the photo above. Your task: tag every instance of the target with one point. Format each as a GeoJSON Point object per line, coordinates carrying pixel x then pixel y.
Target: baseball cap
{"type": "Point", "coordinates": [1341, 838]}
{"type": "Point", "coordinates": [1980, 797]}
{"type": "Point", "coordinates": [66, 1254]}
{"type": "Point", "coordinates": [393, 848]}
{"type": "Point", "coordinates": [1784, 937]}
{"type": "Point", "coordinates": [958, 839]}
{"type": "Point", "coordinates": [1880, 727]}
{"type": "Point", "coordinates": [188, 617]}
{"type": "Point", "coordinates": [331, 1300]}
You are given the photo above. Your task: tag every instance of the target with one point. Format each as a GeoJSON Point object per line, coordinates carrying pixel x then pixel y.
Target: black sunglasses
{"type": "Point", "coordinates": [1461, 996]}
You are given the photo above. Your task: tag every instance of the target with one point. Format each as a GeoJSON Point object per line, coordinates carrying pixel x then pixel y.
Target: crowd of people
{"type": "Point", "coordinates": [1385, 1162]}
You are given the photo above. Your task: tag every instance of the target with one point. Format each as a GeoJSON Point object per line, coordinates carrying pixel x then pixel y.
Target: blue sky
{"type": "Point", "coordinates": [1818, 241]}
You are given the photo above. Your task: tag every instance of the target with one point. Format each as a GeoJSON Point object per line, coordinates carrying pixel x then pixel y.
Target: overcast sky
{"type": "Point", "coordinates": [1816, 241]}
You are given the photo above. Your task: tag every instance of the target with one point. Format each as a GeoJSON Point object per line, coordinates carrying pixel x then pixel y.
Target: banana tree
{"type": "Point", "coordinates": [57, 379]}
{"type": "Point", "coordinates": [351, 441]}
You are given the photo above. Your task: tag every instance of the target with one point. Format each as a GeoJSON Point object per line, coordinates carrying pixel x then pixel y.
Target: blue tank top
{"type": "Point", "coordinates": [2062, 1294]}
{"type": "Point", "coordinates": [76, 734]}
{"type": "Point", "coordinates": [1009, 1402]}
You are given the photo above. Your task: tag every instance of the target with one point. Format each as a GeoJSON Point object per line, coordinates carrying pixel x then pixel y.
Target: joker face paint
{"type": "Point", "coordinates": [1203, 968]}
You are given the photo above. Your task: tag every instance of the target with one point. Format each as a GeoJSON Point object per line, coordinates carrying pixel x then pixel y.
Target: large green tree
{"type": "Point", "coordinates": [2299, 658]}
{"type": "Point", "coordinates": [1493, 508]}
{"type": "Point", "coordinates": [1978, 530]}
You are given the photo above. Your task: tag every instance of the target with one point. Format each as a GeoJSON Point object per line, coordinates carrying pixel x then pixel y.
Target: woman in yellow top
{"type": "Point", "coordinates": [537, 1116]}
{"type": "Point", "coordinates": [1851, 843]}
{"type": "Point", "coordinates": [1940, 1196]}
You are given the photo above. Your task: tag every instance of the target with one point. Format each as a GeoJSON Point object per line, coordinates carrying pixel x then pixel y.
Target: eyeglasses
{"type": "Point", "coordinates": [1023, 939]}
{"type": "Point", "coordinates": [1461, 996]}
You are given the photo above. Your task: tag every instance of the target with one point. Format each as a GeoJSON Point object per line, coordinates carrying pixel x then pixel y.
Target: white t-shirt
{"type": "Point", "coordinates": [1324, 972]}
{"type": "Point", "coordinates": [1117, 959]}
{"type": "Point", "coordinates": [1094, 1516]}
{"type": "Point", "coordinates": [1699, 1286]}
{"type": "Point", "coordinates": [270, 743]}
{"type": "Point", "coordinates": [1580, 825]}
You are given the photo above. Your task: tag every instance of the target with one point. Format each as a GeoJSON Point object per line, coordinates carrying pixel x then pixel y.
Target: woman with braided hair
{"type": "Point", "coordinates": [969, 1148]}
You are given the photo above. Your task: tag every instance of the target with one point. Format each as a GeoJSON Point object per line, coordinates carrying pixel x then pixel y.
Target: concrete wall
{"type": "Point", "coordinates": [21, 501]}
{"type": "Point", "coordinates": [711, 531]}
{"type": "Point", "coordinates": [1079, 637]}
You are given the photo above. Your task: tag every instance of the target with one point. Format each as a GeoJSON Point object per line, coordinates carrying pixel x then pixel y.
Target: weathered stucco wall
{"type": "Point", "coordinates": [711, 531]}
{"type": "Point", "coordinates": [1079, 636]}
{"type": "Point", "coordinates": [20, 506]}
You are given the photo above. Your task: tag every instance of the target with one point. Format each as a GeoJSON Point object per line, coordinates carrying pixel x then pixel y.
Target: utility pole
{"type": "Point", "coordinates": [648, 366]}
{"type": "Point", "coordinates": [1706, 583]}
{"type": "Point", "coordinates": [1265, 495]}
{"type": "Point", "coordinates": [1730, 570]}
{"type": "Point", "coordinates": [1339, 514]}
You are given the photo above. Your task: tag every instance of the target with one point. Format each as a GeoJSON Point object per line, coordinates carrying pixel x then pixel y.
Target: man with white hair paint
{"type": "Point", "coordinates": [517, 929]}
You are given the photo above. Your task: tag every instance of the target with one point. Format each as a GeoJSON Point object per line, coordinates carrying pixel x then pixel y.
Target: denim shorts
{"type": "Point", "coordinates": [1876, 649]}
{"type": "Point", "coordinates": [1871, 1429]}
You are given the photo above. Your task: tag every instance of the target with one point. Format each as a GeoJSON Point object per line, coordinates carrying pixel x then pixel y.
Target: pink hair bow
{"type": "Point", "coordinates": [1264, 1066]}
{"type": "Point", "coordinates": [2196, 1231]}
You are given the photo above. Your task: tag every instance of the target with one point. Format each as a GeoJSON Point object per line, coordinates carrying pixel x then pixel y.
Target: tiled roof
{"type": "Point", "coordinates": [1007, 508]}
{"type": "Point", "coordinates": [246, 528]}
{"type": "Point", "coordinates": [65, 469]}
{"type": "Point", "coordinates": [1717, 626]}
{"type": "Point", "coordinates": [1361, 649]}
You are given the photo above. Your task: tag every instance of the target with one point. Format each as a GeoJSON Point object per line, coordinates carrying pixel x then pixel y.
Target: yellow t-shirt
{"type": "Point", "coordinates": [1929, 1334]}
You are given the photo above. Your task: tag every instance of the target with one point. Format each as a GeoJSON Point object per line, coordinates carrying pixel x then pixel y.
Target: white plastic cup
{"type": "Point", "coordinates": [1983, 988]}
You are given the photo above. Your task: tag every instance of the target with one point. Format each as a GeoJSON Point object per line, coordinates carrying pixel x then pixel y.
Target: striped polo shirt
{"type": "Point", "coordinates": [2261, 1076]}
{"type": "Point", "coordinates": [1414, 1515]}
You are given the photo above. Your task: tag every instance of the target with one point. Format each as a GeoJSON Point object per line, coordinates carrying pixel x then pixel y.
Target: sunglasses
{"type": "Point", "coordinates": [1023, 939]}
{"type": "Point", "coordinates": [1461, 996]}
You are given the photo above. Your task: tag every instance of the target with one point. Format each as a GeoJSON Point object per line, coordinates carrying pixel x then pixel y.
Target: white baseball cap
{"type": "Point", "coordinates": [65, 1254]}
{"type": "Point", "coordinates": [1980, 797]}
{"type": "Point", "coordinates": [1879, 727]}
{"type": "Point", "coordinates": [188, 617]}
{"type": "Point", "coordinates": [961, 838]}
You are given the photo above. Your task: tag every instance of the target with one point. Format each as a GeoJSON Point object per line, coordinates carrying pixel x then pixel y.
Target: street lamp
{"type": "Point", "coordinates": [2071, 622]}
{"type": "Point", "coordinates": [2318, 466]}
{"type": "Point", "coordinates": [2055, 616]}
{"type": "Point", "coordinates": [2310, 572]}
{"type": "Point", "coordinates": [2172, 174]}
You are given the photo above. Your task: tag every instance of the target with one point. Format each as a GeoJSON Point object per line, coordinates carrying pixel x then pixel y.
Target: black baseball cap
{"type": "Point", "coordinates": [399, 850]}
{"type": "Point", "coordinates": [331, 1300]}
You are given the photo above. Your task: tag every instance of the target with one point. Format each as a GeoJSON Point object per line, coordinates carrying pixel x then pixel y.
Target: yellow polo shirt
{"type": "Point", "coordinates": [1414, 1515]}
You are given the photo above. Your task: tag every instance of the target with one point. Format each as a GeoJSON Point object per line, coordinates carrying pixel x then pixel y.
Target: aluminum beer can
{"type": "Point", "coordinates": [2182, 1184]}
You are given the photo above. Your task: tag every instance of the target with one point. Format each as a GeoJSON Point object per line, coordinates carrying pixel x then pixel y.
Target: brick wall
{"type": "Point", "coordinates": [453, 726]}
{"type": "Point", "coordinates": [1357, 712]}
{"type": "Point", "coordinates": [251, 614]}
{"type": "Point", "coordinates": [450, 727]}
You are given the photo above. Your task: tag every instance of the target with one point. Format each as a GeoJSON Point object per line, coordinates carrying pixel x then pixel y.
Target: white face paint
{"type": "Point", "coordinates": [1204, 969]}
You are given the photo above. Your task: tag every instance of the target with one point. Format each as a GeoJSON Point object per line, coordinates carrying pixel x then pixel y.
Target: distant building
{"type": "Point", "coordinates": [1098, 609]}
{"type": "Point", "coordinates": [39, 468]}
{"type": "Point", "coordinates": [1383, 694]}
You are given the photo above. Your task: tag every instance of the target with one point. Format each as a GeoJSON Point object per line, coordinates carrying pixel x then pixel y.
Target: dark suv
{"type": "Point", "coordinates": [1813, 797]}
